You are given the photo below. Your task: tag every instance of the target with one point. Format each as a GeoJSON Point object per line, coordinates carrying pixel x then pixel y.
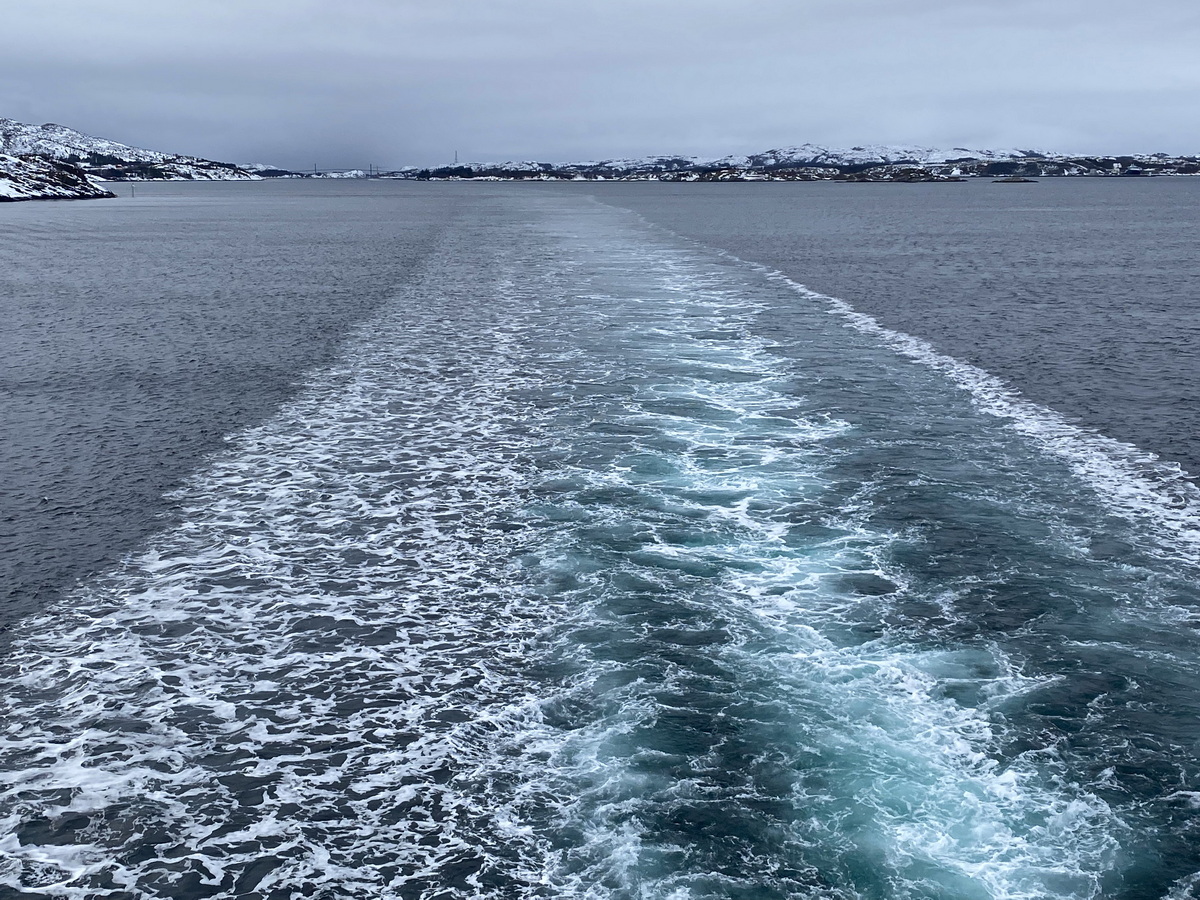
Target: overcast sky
{"type": "Point", "coordinates": [395, 82]}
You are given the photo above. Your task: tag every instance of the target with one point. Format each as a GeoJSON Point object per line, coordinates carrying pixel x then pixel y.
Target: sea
{"type": "Point", "coordinates": [632, 541]}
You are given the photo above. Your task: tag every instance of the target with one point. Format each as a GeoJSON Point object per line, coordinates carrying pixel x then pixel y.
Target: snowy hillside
{"type": "Point", "coordinates": [810, 162]}
{"type": "Point", "coordinates": [872, 154]}
{"type": "Point", "coordinates": [37, 178]}
{"type": "Point", "coordinates": [804, 155]}
{"type": "Point", "coordinates": [110, 160]}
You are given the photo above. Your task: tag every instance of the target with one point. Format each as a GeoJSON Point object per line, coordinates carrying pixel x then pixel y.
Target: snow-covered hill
{"type": "Point", "coordinates": [809, 155]}
{"type": "Point", "coordinates": [39, 178]}
{"type": "Point", "coordinates": [110, 160]}
{"type": "Point", "coordinates": [810, 162]}
{"type": "Point", "coordinates": [871, 155]}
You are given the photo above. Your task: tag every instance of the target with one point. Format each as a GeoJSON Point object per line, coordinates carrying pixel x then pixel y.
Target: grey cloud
{"type": "Point", "coordinates": [394, 83]}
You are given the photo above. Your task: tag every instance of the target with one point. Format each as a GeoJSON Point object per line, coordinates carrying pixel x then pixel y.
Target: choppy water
{"type": "Point", "coordinates": [136, 334]}
{"type": "Point", "coordinates": [1084, 293]}
{"type": "Point", "coordinates": [602, 564]}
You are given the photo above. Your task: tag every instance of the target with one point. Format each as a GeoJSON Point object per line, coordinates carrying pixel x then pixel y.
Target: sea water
{"type": "Point", "coordinates": [596, 561]}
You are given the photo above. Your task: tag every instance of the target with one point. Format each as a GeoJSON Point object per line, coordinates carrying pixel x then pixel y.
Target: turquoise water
{"type": "Point", "coordinates": [603, 564]}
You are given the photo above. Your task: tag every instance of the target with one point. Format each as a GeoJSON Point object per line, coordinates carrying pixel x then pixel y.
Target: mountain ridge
{"type": "Point", "coordinates": [803, 154]}
{"type": "Point", "coordinates": [110, 160]}
{"type": "Point", "coordinates": [105, 160]}
{"type": "Point", "coordinates": [812, 162]}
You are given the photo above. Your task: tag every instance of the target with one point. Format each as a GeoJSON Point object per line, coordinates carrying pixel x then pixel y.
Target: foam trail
{"type": "Point", "coordinates": [1137, 484]}
{"type": "Point", "coordinates": [292, 691]}
{"type": "Point", "coordinates": [736, 463]}
{"type": "Point", "coordinates": [539, 593]}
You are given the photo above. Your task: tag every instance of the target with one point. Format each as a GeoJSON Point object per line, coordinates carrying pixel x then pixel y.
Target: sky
{"type": "Point", "coordinates": [396, 82]}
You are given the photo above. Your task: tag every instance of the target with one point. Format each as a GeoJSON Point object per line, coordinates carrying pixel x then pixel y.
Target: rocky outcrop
{"type": "Point", "coordinates": [37, 178]}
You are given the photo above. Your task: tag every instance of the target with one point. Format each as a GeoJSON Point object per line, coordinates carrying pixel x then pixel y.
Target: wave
{"type": "Point", "coordinates": [534, 597]}
{"type": "Point", "coordinates": [1134, 483]}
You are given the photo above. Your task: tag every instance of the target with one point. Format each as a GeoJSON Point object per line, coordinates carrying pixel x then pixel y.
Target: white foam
{"type": "Point", "coordinates": [940, 802]}
{"type": "Point", "coordinates": [247, 646]}
{"type": "Point", "coordinates": [1134, 483]}
{"type": "Point", "coordinates": [338, 665]}
{"type": "Point", "coordinates": [1185, 888]}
